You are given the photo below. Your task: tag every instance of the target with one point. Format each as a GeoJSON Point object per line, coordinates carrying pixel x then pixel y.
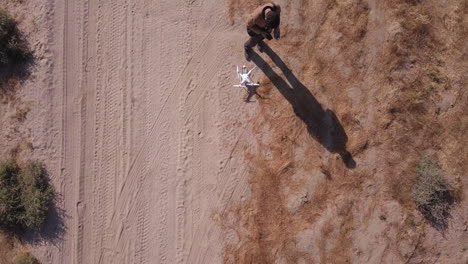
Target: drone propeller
{"type": "Point", "coordinates": [251, 70]}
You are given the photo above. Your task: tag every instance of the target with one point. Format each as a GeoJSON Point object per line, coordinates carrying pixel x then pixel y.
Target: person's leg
{"type": "Point", "coordinates": [261, 44]}
{"type": "Point", "coordinates": [253, 41]}
{"type": "Point", "coordinates": [249, 44]}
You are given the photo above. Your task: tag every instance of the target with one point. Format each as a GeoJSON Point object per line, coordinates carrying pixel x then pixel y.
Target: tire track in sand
{"type": "Point", "coordinates": [93, 45]}
{"type": "Point", "coordinates": [203, 76]}
{"type": "Point", "coordinates": [127, 198]}
{"type": "Point", "coordinates": [73, 124]}
{"type": "Point", "coordinates": [110, 120]}
{"type": "Point", "coordinates": [193, 93]}
{"type": "Point", "coordinates": [113, 222]}
{"type": "Point", "coordinates": [136, 163]}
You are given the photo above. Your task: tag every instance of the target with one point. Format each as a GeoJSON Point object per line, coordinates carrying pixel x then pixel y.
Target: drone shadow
{"type": "Point", "coordinates": [322, 125]}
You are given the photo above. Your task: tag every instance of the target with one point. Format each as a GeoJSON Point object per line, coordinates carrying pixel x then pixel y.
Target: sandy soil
{"type": "Point", "coordinates": [139, 126]}
{"type": "Point", "coordinates": [150, 129]}
{"type": "Point", "coordinates": [157, 159]}
{"type": "Point", "coordinates": [384, 80]}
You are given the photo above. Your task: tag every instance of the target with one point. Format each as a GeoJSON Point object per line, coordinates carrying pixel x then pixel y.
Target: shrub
{"type": "Point", "coordinates": [25, 194]}
{"type": "Point", "coordinates": [13, 49]}
{"type": "Point", "coordinates": [432, 194]}
{"type": "Point", "coordinates": [10, 199]}
{"type": "Point", "coordinates": [36, 193]}
{"type": "Point", "coordinates": [26, 258]}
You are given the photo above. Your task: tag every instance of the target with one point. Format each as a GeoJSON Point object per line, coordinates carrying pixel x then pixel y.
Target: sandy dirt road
{"type": "Point", "coordinates": [150, 146]}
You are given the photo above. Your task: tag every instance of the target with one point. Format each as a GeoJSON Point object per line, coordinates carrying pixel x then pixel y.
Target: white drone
{"type": "Point", "coordinates": [244, 78]}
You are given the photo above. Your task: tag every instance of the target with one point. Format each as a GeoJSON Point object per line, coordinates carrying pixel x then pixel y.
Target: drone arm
{"type": "Point", "coordinates": [251, 70]}
{"type": "Point", "coordinates": [252, 85]}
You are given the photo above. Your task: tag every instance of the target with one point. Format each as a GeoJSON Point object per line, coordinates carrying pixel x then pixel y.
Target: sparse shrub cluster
{"type": "Point", "coordinates": [13, 49]}
{"type": "Point", "coordinates": [26, 258]}
{"type": "Point", "coordinates": [432, 194]}
{"type": "Point", "coordinates": [25, 195]}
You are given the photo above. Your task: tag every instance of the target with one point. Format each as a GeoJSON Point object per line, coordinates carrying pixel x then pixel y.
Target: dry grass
{"type": "Point", "coordinates": [15, 59]}
{"type": "Point", "coordinates": [9, 249]}
{"type": "Point", "coordinates": [415, 68]}
{"type": "Point", "coordinates": [8, 89]}
{"type": "Point", "coordinates": [432, 194]}
{"type": "Point", "coordinates": [268, 229]}
{"type": "Point", "coordinates": [26, 258]}
{"type": "Point", "coordinates": [21, 113]}
{"type": "Point", "coordinates": [335, 243]}
{"type": "Point", "coordinates": [13, 252]}
{"type": "Point", "coordinates": [406, 81]}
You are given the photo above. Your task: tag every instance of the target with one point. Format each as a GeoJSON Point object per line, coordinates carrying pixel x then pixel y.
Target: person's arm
{"type": "Point", "coordinates": [276, 31]}
{"type": "Point", "coordinates": [260, 31]}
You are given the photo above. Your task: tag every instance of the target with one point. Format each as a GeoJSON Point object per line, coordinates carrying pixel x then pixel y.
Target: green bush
{"type": "Point", "coordinates": [36, 193]}
{"type": "Point", "coordinates": [13, 49]}
{"type": "Point", "coordinates": [25, 194]}
{"type": "Point", "coordinates": [26, 258]}
{"type": "Point", "coordinates": [10, 198]}
{"type": "Point", "coordinates": [432, 194]}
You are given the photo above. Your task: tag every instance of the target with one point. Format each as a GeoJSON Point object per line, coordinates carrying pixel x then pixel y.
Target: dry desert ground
{"type": "Point", "coordinates": [156, 158]}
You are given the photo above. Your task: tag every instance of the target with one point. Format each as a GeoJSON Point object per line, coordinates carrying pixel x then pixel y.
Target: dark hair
{"type": "Point", "coordinates": [272, 20]}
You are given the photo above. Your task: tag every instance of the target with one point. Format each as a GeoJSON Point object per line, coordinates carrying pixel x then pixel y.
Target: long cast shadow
{"type": "Point", "coordinates": [322, 125]}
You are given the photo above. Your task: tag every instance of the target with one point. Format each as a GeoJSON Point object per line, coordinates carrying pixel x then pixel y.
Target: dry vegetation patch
{"type": "Point", "coordinates": [402, 65]}
{"type": "Point", "coordinates": [295, 132]}
{"type": "Point", "coordinates": [13, 252]}
{"type": "Point", "coordinates": [432, 194]}
{"type": "Point", "coordinates": [25, 193]}
{"type": "Point", "coordinates": [26, 258]}
{"type": "Point", "coordinates": [15, 56]}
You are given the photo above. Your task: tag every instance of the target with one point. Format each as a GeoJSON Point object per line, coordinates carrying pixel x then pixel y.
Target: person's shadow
{"type": "Point", "coordinates": [322, 125]}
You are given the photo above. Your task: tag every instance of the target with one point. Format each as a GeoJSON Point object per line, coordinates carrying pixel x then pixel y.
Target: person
{"type": "Point", "coordinates": [261, 22]}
